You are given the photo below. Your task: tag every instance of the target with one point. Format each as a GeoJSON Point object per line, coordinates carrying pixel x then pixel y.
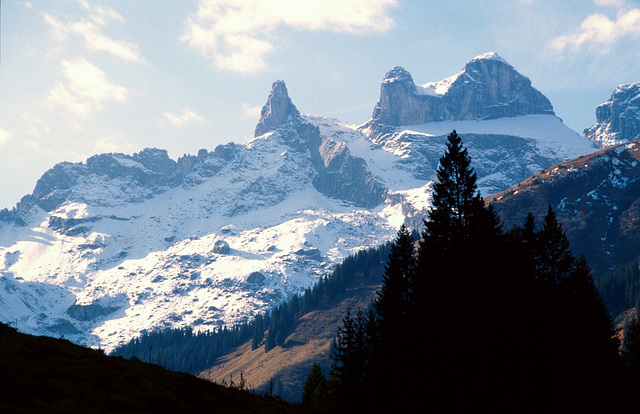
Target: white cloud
{"type": "Point", "coordinates": [89, 29]}
{"type": "Point", "coordinates": [86, 88]}
{"type": "Point", "coordinates": [5, 136]}
{"type": "Point", "coordinates": [187, 115]}
{"type": "Point", "coordinates": [609, 3]}
{"type": "Point", "coordinates": [251, 112]}
{"type": "Point", "coordinates": [235, 33]}
{"type": "Point", "coordinates": [598, 33]}
{"type": "Point", "coordinates": [111, 143]}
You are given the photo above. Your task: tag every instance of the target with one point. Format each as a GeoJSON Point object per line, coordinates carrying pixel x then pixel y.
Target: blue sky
{"type": "Point", "coordinates": [84, 77]}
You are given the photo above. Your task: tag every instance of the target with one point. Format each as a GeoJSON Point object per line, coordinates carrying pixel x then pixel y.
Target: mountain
{"type": "Point", "coordinates": [508, 126]}
{"type": "Point", "coordinates": [488, 87]}
{"type": "Point", "coordinates": [596, 199]}
{"type": "Point", "coordinates": [106, 249]}
{"type": "Point", "coordinates": [40, 374]}
{"type": "Point", "coordinates": [618, 119]}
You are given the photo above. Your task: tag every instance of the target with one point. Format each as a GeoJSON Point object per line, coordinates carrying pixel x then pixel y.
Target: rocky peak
{"type": "Point", "coordinates": [618, 119]}
{"type": "Point", "coordinates": [278, 110]}
{"type": "Point", "coordinates": [400, 75]}
{"type": "Point", "coordinates": [145, 173]}
{"type": "Point", "coordinates": [488, 87]}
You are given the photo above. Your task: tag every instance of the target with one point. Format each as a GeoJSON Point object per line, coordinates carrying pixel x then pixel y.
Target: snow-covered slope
{"type": "Point", "coordinates": [504, 151]}
{"type": "Point", "coordinates": [120, 244]}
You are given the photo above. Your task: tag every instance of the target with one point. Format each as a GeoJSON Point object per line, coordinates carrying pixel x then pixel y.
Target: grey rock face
{"type": "Point", "coordinates": [338, 174]}
{"type": "Point", "coordinates": [221, 247]}
{"type": "Point", "coordinates": [487, 88]}
{"type": "Point", "coordinates": [89, 312]}
{"type": "Point", "coordinates": [148, 172]}
{"type": "Point", "coordinates": [278, 110]}
{"type": "Point", "coordinates": [256, 278]}
{"type": "Point", "coordinates": [618, 119]}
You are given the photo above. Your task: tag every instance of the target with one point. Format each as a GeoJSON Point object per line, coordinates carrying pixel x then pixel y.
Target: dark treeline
{"type": "Point", "coordinates": [281, 321]}
{"type": "Point", "coordinates": [187, 351]}
{"type": "Point", "coordinates": [476, 317]}
{"type": "Point", "coordinates": [620, 288]}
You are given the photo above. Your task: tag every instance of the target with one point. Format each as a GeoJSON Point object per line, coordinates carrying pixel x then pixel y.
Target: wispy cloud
{"type": "Point", "coordinates": [85, 88]}
{"type": "Point", "coordinates": [111, 143]}
{"type": "Point", "coordinates": [249, 111]}
{"type": "Point", "coordinates": [89, 28]}
{"type": "Point", "coordinates": [598, 33]}
{"type": "Point", "coordinates": [236, 34]}
{"type": "Point", "coordinates": [186, 116]}
{"type": "Point", "coordinates": [5, 136]}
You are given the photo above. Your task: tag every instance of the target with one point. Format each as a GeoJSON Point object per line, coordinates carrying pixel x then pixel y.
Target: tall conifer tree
{"type": "Point", "coordinates": [394, 310]}
{"type": "Point", "coordinates": [631, 347]}
{"type": "Point", "coordinates": [555, 259]}
{"type": "Point", "coordinates": [393, 302]}
{"type": "Point", "coordinates": [458, 303]}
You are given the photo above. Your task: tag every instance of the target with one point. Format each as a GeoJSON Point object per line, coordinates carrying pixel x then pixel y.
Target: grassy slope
{"type": "Point", "coordinates": [289, 365]}
{"type": "Point", "coordinates": [41, 374]}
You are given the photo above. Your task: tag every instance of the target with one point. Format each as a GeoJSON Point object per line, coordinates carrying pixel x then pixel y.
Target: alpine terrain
{"type": "Point", "coordinates": [120, 244]}
{"type": "Point", "coordinates": [595, 196]}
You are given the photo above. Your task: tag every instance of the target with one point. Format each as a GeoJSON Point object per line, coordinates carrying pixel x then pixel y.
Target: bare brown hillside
{"type": "Point", "coordinates": [286, 367]}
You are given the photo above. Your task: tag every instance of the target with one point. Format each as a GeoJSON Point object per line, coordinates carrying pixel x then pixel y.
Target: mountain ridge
{"type": "Point", "coordinates": [594, 197]}
{"type": "Point", "coordinates": [102, 248]}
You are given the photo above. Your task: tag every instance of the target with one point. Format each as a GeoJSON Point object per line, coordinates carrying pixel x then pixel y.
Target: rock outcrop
{"type": "Point", "coordinates": [487, 88]}
{"type": "Point", "coordinates": [338, 174]}
{"type": "Point", "coordinates": [618, 119]}
{"type": "Point", "coordinates": [278, 110]}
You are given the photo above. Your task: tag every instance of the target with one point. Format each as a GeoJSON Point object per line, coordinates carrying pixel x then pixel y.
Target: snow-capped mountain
{"type": "Point", "coordinates": [488, 87]}
{"type": "Point", "coordinates": [119, 244]}
{"type": "Point", "coordinates": [508, 126]}
{"type": "Point", "coordinates": [618, 119]}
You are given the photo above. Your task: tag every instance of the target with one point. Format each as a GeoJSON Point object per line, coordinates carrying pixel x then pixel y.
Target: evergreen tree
{"type": "Point", "coordinates": [459, 213]}
{"type": "Point", "coordinates": [258, 331]}
{"type": "Point", "coordinates": [350, 354]}
{"type": "Point", "coordinates": [555, 259]}
{"type": "Point", "coordinates": [507, 318]}
{"type": "Point", "coordinates": [588, 356]}
{"type": "Point", "coordinates": [314, 392]}
{"type": "Point", "coordinates": [392, 336]}
{"type": "Point", "coordinates": [631, 346]}
{"type": "Point", "coordinates": [458, 304]}
{"type": "Point", "coordinates": [394, 298]}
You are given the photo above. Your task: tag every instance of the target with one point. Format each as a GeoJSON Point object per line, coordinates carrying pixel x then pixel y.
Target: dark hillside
{"type": "Point", "coordinates": [42, 374]}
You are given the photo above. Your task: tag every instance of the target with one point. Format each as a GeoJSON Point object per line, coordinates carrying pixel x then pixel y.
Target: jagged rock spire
{"type": "Point", "coordinates": [278, 110]}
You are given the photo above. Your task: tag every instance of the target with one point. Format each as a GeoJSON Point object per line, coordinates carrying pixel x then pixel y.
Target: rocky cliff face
{"type": "Point", "coordinates": [338, 174]}
{"type": "Point", "coordinates": [618, 119]}
{"type": "Point", "coordinates": [487, 88]}
{"type": "Point", "coordinates": [278, 110]}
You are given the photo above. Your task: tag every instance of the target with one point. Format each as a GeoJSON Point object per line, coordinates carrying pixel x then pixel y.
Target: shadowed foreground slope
{"type": "Point", "coordinates": [42, 374]}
